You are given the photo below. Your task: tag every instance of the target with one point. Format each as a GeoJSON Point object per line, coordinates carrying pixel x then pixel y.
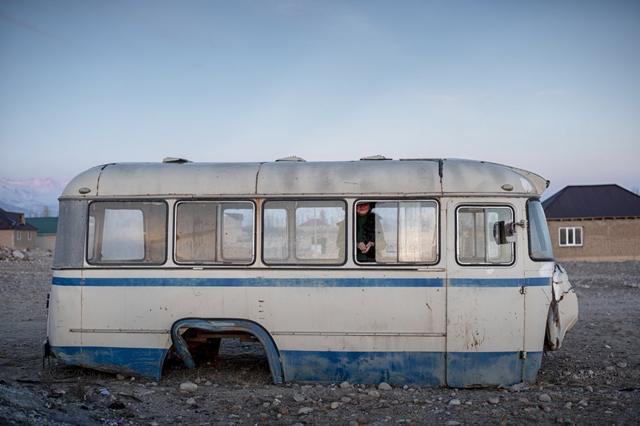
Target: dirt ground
{"type": "Point", "coordinates": [593, 379]}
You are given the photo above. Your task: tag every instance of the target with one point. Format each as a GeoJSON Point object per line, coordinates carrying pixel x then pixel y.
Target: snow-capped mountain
{"type": "Point", "coordinates": [33, 197]}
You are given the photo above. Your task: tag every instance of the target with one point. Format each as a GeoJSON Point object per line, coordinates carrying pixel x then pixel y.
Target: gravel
{"type": "Point", "coordinates": [593, 379]}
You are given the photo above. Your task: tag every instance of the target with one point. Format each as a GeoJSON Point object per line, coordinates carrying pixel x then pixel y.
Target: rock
{"type": "Point", "coordinates": [384, 386]}
{"type": "Point", "coordinates": [568, 405]}
{"type": "Point", "coordinates": [188, 387]}
{"type": "Point", "coordinates": [452, 423]}
{"type": "Point", "coordinates": [304, 411]}
{"type": "Point", "coordinates": [494, 400]}
{"type": "Point", "coordinates": [207, 383]}
{"type": "Point", "coordinates": [583, 402]}
{"type": "Point", "coordinates": [57, 393]}
{"type": "Point", "coordinates": [119, 377]}
{"type": "Point", "coordinates": [518, 387]}
{"type": "Point", "coordinates": [589, 388]}
{"type": "Point", "coordinates": [345, 385]}
{"type": "Point", "coordinates": [610, 368]}
{"type": "Point", "coordinates": [345, 399]}
{"type": "Point", "coordinates": [297, 397]}
{"type": "Point", "coordinates": [104, 392]}
{"type": "Point", "coordinates": [622, 364]}
{"type": "Point", "coordinates": [17, 254]}
{"type": "Point", "coordinates": [116, 405]}
{"type": "Point", "coordinates": [454, 402]}
{"type": "Point", "coordinates": [544, 398]}
{"type": "Point", "coordinates": [191, 402]}
{"type": "Point", "coordinates": [335, 405]}
{"type": "Point", "coordinates": [374, 393]}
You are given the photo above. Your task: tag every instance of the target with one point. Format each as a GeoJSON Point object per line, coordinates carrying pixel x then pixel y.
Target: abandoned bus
{"type": "Point", "coordinates": [426, 271]}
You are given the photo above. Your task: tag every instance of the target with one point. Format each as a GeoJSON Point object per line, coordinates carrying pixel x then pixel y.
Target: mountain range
{"type": "Point", "coordinates": [35, 197]}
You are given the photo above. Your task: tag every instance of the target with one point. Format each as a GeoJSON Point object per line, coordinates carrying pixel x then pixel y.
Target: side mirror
{"type": "Point", "coordinates": [503, 232]}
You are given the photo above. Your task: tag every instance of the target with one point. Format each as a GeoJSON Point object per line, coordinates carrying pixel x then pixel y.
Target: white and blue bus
{"type": "Point", "coordinates": [427, 271]}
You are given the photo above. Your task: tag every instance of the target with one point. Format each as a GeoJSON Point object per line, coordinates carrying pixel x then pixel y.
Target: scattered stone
{"type": "Point", "coordinates": [622, 364]}
{"type": "Point", "coordinates": [104, 392]}
{"type": "Point", "coordinates": [544, 398]}
{"type": "Point", "coordinates": [607, 346]}
{"type": "Point", "coordinates": [494, 400]}
{"type": "Point", "coordinates": [453, 423]}
{"type": "Point", "coordinates": [345, 399]}
{"type": "Point", "coordinates": [583, 402]}
{"type": "Point", "coordinates": [207, 383]}
{"type": "Point", "coordinates": [119, 377]}
{"type": "Point", "coordinates": [188, 387]}
{"type": "Point", "coordinates": [454, 401]}
{"type": "Point", "coordinates": [384, 386]}
{"type": "Point", "coordinates": [610, 368]}
{"type": "Point", "coordinates": [374, 393]}
{"type": "Point", "coordinates": [589, 388]}
{"type": "Point", "coordinates": [518, 387]}
{"type": "Point", "coordinates": [117, 405]}
{"type": "Point", "coordinates": [297, 397]}
{"type": "Point", "coordinates": [568, 405]}
{"type": "Point", "coordinates": [17, 254]}
{"type": "Point", "coordinates": [304, 411]}
{"type": "Point", "coordinates": [335, 405]}
{"type": "Point", "coordinates": [191, 402]}
{"type": "Point", "coordinates": [345, 385]}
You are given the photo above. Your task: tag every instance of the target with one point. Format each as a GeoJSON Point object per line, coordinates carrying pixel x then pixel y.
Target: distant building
{"type": "Point", "coordinates": [15, 232]}
{"type": "Point", "coordinates": [47, 227]}
{"type": "Point", "coordinates": [594, 223]}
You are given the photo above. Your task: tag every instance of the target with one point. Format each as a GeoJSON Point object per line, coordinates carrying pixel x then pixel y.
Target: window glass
{"type": "Point", "coordinates": [214, 232]}
{"type": "Point", "coordinates": [237, 231]}
{"type": "Point", "coordinates": [477, 240]}
{"type": "Point", "coordinates": [539, 239]}
{"type": "Point", "coordinates": [276, 233]}
{"type": "Point", "coordinates": [314, 229]}
{"type": "Point", "coordinates": [394, 232]}
{"type": "Point", "coordinates": [127, 232]}
{"type": "Point", "coordinates": [570, 236]}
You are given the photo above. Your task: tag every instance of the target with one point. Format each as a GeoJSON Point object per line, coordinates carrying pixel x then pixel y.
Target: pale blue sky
{"type": "Point", "coordinates": [549, 86]}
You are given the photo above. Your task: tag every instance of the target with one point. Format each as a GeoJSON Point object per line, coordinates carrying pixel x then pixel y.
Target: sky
{"type": "Point", "coordinates": [549, 86]}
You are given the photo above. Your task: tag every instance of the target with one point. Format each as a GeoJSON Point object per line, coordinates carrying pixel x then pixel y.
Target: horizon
{"type": "Point", "coordinates": [553, 88]}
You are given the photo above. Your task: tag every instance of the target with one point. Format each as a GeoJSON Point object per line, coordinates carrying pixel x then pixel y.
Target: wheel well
{"type": "Point", "coordinates": [201, 329]}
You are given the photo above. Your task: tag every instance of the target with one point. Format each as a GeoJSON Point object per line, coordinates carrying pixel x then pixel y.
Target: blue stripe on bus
{"type": "Point", "coordinates": [499, 282]}
{"type": "Point", "coordinates": [300, 282]}
{"type": "Point", "coordinates": [145, 362]}
{"type": "Point", "coordinates": [455, 369]}
{"type": "Point", "coordinates": [250, 282]}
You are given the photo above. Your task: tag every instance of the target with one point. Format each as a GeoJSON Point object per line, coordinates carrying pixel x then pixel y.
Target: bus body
{"type": "Point", "coordinates": [159, 258]}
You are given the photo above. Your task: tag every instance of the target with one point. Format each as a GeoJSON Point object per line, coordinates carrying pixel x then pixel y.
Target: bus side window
{"type": "Point", "coordinates": [214, 232]}
{"type": "Point", "coordinates": [127, 232]}
{"type": "Point", "coordinates": [475, 239]}
{"type": "Point", "coordinates": [304, 232]}
{"type": "Point", "coordinates": [406, 232]}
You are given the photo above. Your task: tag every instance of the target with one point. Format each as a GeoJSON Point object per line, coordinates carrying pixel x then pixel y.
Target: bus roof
{"type": "Point", "coordinates": [300, 178]}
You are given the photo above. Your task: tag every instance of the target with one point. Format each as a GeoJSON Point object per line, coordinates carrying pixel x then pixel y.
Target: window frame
{"type": "Point", "coordinates": [303, 264]}
{"type": "Point", "coordinates": [134, 264]}
{"type": "Point", "coordinates": [214, 263]}
{"type": "Point", "coordinates": [535, 259]}
{"type": "Point", "coordinates": [573, 228]}
{"type": "Point", "coordinates": [354, 252]}
{"type": "Point", "coordinates": [457, 242]}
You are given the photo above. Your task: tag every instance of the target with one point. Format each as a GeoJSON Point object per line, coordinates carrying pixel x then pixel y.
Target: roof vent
{"type": "Point", "coordinates": [292, 158]}
{"type": "Point", "coordinates": [374, 158]}
{"type": "Point", "coordinates": [175, 160]}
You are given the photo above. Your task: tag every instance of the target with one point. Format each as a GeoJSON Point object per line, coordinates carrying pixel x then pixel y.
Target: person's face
{"type": "Point", "coordinates": [363, 209]}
